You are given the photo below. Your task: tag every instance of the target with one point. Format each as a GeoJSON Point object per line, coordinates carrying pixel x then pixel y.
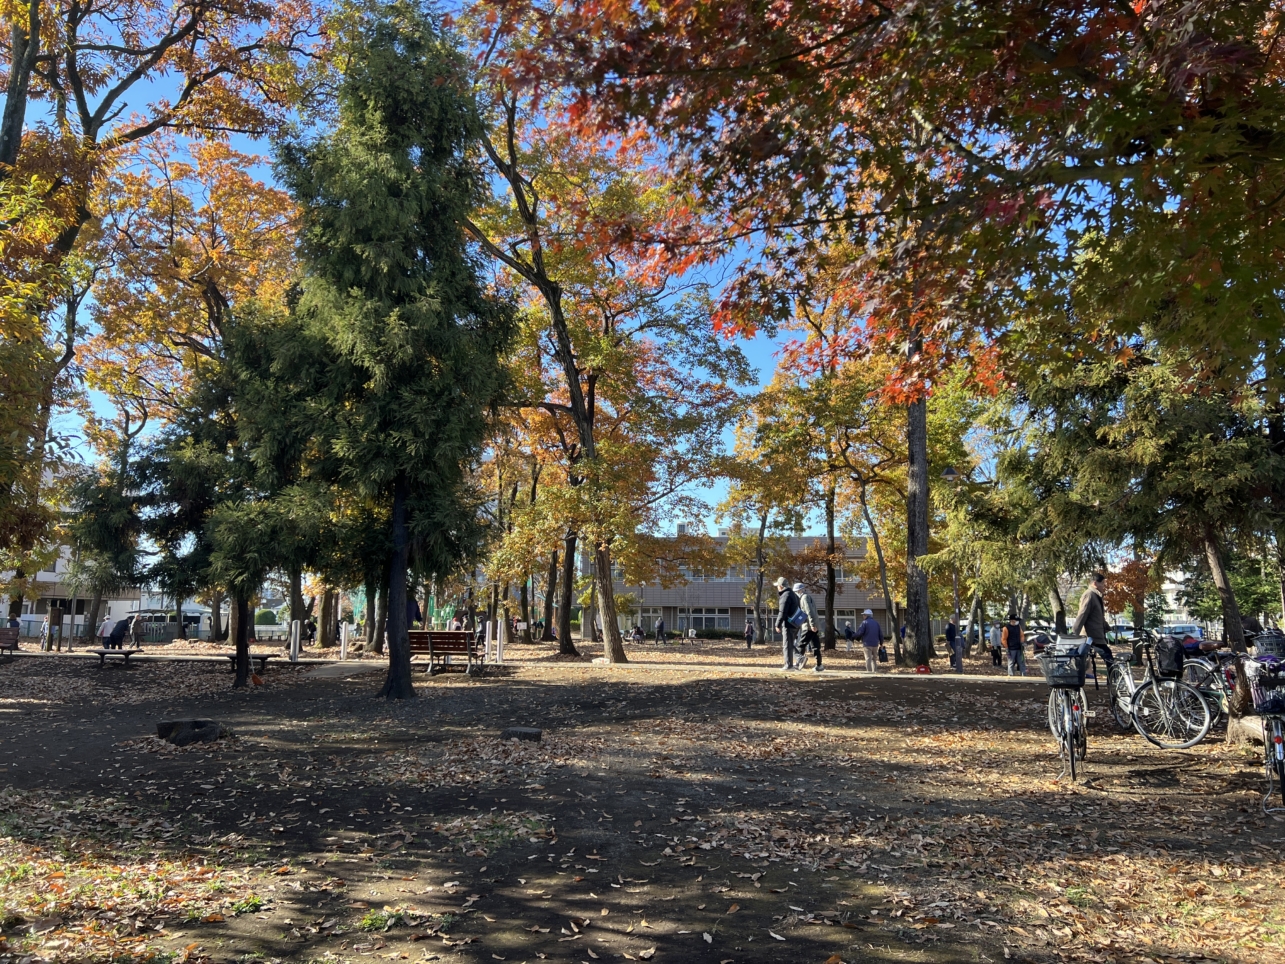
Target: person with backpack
{"type": "Point", "coordinates": [749, 633]}
{"type": "Point", "coordinates": [1012, 639]}
{"type": "Point", "coordinates": [810, 635]}
{"type": "Point", "coordinates": [788, 619]}
{"type": "Point", "coordinates": [849, 635]}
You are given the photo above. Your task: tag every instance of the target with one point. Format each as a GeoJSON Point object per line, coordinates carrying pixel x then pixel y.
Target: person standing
{"type": "Point", "coordinates": [1092, 617]}
{"type": "Point", "coordinates": [1012, 637]}
{"type": "Point", "coordinates": [871, 635]}
{"type": "Point", "coordinates": [660, 629]}
{"type": "Point", "coordinates": [787, 621]}
{"type": "Point", "coordinates": [955, 643]}
{"type": "Point", "coordinates": [997, 644]}
{"type": "Point", "coordinates": [848, 635]}
{"type": "Point", "coordinates": [811, 635]}
{"type": "Point", "coordinates": [104, 631]}
{"type": "Point", "coordinates": [749, 633]}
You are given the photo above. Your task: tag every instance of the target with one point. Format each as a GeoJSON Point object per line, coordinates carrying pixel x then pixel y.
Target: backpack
{"type": "Point", "coordinates": [1169, 657]}
{"type": "Point", "coordinates": [883, 654]}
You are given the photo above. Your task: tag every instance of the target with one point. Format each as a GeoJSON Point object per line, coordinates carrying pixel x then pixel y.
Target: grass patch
{"type": "Point", "coordinates": [247, 905]}
{"type": "Point", "coordinates": [382, 920]}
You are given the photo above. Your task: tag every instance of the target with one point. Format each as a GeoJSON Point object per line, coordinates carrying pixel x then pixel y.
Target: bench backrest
{"type": "Point", "coordinates": [9, 635]}
{"type": "Point", "coordinates": [424, 641]}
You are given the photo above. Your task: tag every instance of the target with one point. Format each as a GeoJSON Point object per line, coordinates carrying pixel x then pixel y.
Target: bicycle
{"type": "Point", "coordinates": [1266, 678]}
{"type": "Point", "coordinates": [1064, 664]}
{"type": "Point", "coordinates": [1214, 674]}
{"type": "Point", "coordinates": [1164, 710]}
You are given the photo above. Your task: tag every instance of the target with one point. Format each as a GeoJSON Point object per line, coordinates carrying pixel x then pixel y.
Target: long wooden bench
{"type": "Point", "coordinates": [261, 658]}
{"type": "Point", "coordinates": [9, 639]}
{"type": "Point", "coordinates": [439, 645]}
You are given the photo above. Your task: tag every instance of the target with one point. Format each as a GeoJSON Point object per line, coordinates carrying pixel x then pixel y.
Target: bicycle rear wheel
{"type": "Point", "coordinates": [1171, 714]}
{"type": "Point", "coordinates": [1203, 675]}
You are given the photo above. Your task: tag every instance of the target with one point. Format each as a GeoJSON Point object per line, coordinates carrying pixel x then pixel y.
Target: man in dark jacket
{"type": "Point", "coordinates": [116, 638]}
{"type": "Point", "coordinates": [1092, 617]}
{"type": "Point", "coordinates": [787, 606]}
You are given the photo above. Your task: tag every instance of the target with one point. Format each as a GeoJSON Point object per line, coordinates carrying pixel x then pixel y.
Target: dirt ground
{"type": "Point", "coordinates": [667, 815]}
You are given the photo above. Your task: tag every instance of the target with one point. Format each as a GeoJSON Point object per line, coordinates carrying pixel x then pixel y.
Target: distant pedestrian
{"type": "Point", "coordinates": [1012, 636]}
{"type": "Point", "coordinates": [811, 629]}
{"type": "Point", "coordinates": [749, 633]}
{"type": "Point", "coordinates": [660, 630]}
{"type": "Point", "coordinates": [955, 642]}
{"type": "Point", "coordinates": [848, 634]}
{"type": "Point", "coordinates": [871, 635]}
{"type": "Point", "coordinates": [997, 644]}
{"type": "Point", "coordinates": [788, 619]}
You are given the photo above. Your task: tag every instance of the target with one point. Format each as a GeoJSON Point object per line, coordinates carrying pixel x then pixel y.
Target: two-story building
{"type": "Point", "coordinates": [719, 601]}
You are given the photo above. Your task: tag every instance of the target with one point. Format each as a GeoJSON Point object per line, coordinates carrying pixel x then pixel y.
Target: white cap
{"type": "Point", "coordinates": [867, 612]}
{"type": "Point", "coordinates": [798, 587]}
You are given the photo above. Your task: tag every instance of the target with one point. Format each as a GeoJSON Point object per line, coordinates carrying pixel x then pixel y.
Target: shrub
{"type": "Point", "coordinates": [265, 617]}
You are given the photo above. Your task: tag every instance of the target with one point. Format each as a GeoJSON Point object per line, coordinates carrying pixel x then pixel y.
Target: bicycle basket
{"type": "Point", "coordinates": [1169, 657]}
{"type": "Point", "coordinates": [1269, 644]}
{"type": "Point", "coordinates": [1266, 678]}
{"type": "Point", "coordinates": [1064, 669]}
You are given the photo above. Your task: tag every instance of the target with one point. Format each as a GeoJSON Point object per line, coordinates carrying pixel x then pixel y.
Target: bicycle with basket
{"type": "Point", "coordinates": [1065, 664]}
{"type": "Point", "coordinates": [1265, 674]}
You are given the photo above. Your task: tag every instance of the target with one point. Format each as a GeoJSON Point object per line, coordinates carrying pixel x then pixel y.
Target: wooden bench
{"type": "Point", "coordinates": [261, 657]}
{"type": "Point", "coordinates": [9, 639]}
{"type": "Point", "coordinates": [439, 645]}
{"type": "Point", "coordinates": [123, 654]}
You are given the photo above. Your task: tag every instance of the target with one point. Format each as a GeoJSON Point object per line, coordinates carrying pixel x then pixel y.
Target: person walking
{"type": "Point", "coordinates": [848, 635]}
{"type": "Point", "coordinates": [1012, 637]}
{"type": "Point", "coordinates": [997, 644]}
{"type": "Point", "coordinates": [788, 620]}
{"type": "Point", "coordinates": [749, 633]}
{"type": "Point", "coordinates": [1092, 617]}
{"type": "Point", "coordinates": [811, 634]}
{"type": "Point", "coordinates": [104, 631]}
{"type": "Point", "coordinates": [660, 630]}
{"type": "Point", "coordinates": [955, 643]}
{"type": "Point", "coordinates": [871, 635]}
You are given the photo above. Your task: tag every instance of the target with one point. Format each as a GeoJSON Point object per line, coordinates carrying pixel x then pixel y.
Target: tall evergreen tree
{"type": "Point", "coordinates": [391, 284]}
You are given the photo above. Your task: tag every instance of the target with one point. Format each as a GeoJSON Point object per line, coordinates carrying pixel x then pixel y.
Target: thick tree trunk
{"type": "Point", "coordinates": [92, 620]}
{"type": "Point", "coordinates": [974, 632]}
{"type": "Point", "coordinates": [566, 645]}
{"type": "Point", "coordinates": [368, 624]}
{"type": "Point", "coordinates": [242, 616]}
{"type": "Point", "coordinates": [17, 588]}
{"type": "Point", "coordinates": [589, 613]}
{"type": "Point", "coordinates": [296, 595]}
{"type": "Point", "coordinates": [398, 686]}
{"type": "Point", "coordinates": [549, 596]}
{"type": "Point", "coordinates": [1059, 609]}
{"type": "Point", "coordinates": [326, 633]}
{"type": "Point", "coordinates": [918, 620]}
{"type": "Point", "coordinates": [216, 616]}
{"type": "Point", "coordinates": [178, 612]}
{"type": "Point", "coordinates": [829, 569]}
{"type": "Point", "coordinates": [524, 606]}
{"type": "Point", "coordinates": [612, 643]}
{"type": "Point", "coordinates": [1232, 628]}
{"type": "Point", "coordinates": [24, 49]}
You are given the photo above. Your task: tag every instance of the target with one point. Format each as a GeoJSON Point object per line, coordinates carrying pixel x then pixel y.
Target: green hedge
{"type": "Point", "coordinates": [265, 617]}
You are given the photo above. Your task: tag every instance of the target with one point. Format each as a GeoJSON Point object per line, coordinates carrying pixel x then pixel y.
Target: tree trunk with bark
{"type": "Point", "coordinates": [1233, 629]}
{"type": "Point", "coordinates": [381, 617]}
{"type": "Point", "coordinates": [890, 611]}
{"type": "Point", "coordinates": [830, 580]}
{"type": "Point", "coordinates": [918, 620]}
{"type": "Point", "coordinates": [1059, 609]}
{"type": "Point", "coordinates": [549, 596]}
{"type": "Point", "coordinates": [24, 51]}
{"type": "Point", "coordinates": [296, 595]}
{"type": "Point", "coordinates": [398, 686]}
{"type": "Point", "coordinates": [241, 617]}
{"type": "Point", "coordinates": [326, 635]}
{"type": "Point", "coordinates": [524, 606]}
{"type": "Point", "coordinates": [566, 645]}
{"type": "Point", "coordinates": [217, 630]}
{"type": "Point", "coordinates": [612, 643]}
{"type": "Point", "coordinates": [372, 594]}
{"type": "Point", "coordinates": [178, 612]}
{"type": "Point", "coordinates": [760, 565]}
{"type": "Point", "coordinates": [92, 620]}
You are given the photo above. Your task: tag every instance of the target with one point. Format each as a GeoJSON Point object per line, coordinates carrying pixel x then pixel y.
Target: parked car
{"type": "Point", "coordinates": [1182, 630]}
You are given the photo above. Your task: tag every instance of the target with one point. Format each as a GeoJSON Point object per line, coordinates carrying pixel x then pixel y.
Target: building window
{"type": "Point", "coordinates": [704, 619]}
{"type": "Point", "coordinates": [647, 617]}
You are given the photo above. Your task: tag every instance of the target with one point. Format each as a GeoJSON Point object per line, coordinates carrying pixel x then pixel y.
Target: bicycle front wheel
{"type": "Point", "coordinates": [1120, 693]}
{"type": "Point", "coordinates": [1171, 714]}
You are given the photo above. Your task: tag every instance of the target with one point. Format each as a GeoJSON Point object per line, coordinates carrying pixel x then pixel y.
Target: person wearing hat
{"type": "Point", "coordinates": [811, 635]}
{"type": "Point", "coordinates": [848, 634]}
{"type": "Point", "coordinates": [787, 620]}
{"type": "Point", "coordinates": [871, 635]}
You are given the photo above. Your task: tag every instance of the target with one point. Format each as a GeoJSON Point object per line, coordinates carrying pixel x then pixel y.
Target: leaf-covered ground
{"type": "Point", "coordinates": [667, 815]}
